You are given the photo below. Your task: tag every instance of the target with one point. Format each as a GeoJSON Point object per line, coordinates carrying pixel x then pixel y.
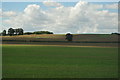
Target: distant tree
{"type": "Point", "coordinates": [21, 31]}
{"type": "Point", "coordinates": [11, 31]}
{"type": "Point", "coordinates": [4, 33]}
{"type": "Point", "coordinates": [42, 32]}
{"type": "Point", "coordinates": [16, 31]}
{"type": "Point", "coordinates": [69, 36]}
{"type": "Point", "coordinates": [1, 34]}
{"type": "Point", "coordinates": [116, 33]}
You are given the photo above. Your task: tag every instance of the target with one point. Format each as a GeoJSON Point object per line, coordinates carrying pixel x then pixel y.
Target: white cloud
{"type": "Point", "coordinates": [111, 6]}
{"type": "Point", "coordinates": [51, 3]}
{"type": "Point", "coordinates": [7, 13]}
{"type": "Point", "coordinates": [81, 18]}
{"type": "Point", "coordinates": [0, 10]}
{"type": "Point", "coordinates": [32, 8]}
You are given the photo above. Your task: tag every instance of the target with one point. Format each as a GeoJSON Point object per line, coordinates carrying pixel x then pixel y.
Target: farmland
{"type": "Point", "coordinates": [51, 56]}
{"type": "Point", "coordinates": [59, 39]}
{"type": "Point", "coordinates": [37, 61]}
{"type": "Point", "coordinates": [20, 61]}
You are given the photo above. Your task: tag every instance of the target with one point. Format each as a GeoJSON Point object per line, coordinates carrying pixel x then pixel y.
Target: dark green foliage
{"type": "Point", "coordinates": [69, 36]}
{"type": "Point", "coordinates": [11, 31]}
{"type": "Point", "coordinates": [19, 31]}
{"type": "Point", "coordinates": [16, 31]}
{"type": "Point", "coordinates": [115, 33]}
{"type": "Point", "coordinates": [4, 33]}
{"type": "Point", "coordinates": [38, 32]}
{"type": "Point", "coordinates": [42, 32]}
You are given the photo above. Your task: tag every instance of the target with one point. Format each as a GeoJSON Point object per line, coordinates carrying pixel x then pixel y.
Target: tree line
{"type": "Point", "coordinates": [38, 32]}
{"type": "Point", "coordinates": [20, 31]}
{"type": "Point", "coordinates": [12, 32]}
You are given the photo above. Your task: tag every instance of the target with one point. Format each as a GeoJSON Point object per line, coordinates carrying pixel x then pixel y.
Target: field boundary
{"type": "Point", "coordinates": [59, 45]}
{"type": "Point", "coordinates": [63, 41]}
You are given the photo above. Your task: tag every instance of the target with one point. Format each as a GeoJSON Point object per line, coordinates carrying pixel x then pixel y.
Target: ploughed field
{"type": "Point", "coordinates": [37, 61]}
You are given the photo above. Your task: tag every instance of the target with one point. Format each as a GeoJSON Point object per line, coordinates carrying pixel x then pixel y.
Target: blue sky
{"type": "Point", "coordinates": [20, 6]}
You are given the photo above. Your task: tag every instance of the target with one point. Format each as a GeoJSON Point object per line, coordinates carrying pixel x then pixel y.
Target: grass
{"type": "Point", "coordinates": [21, 61]}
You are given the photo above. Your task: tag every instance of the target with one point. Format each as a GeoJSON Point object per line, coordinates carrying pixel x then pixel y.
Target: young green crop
{"type": "Point", "coordinates": [59, 62]}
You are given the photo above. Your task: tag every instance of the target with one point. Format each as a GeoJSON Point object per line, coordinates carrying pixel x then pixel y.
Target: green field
{"type": "Point", "coordinates": [20, 61]}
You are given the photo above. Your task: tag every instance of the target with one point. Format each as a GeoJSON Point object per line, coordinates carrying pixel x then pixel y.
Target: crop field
{"type": "Point", "coordinates": [40, 61]}
{"type": "Point", "coordinates": [61, 37]}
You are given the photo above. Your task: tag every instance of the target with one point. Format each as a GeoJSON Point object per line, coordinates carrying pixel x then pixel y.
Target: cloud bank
{"type": "Point", "coordinates": [84, 17]}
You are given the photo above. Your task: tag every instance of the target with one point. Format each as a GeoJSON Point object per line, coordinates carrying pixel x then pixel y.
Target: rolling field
{"type": "Point", "coordinates": [61, 37]}
{"type": "Point", "coordinates": [35, 61]}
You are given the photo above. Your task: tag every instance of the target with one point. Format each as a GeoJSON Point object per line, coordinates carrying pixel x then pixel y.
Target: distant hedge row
{"type": "Point", "coordinates": [38, 32]}
{"type": "Point", "coordinates": [20, 31]}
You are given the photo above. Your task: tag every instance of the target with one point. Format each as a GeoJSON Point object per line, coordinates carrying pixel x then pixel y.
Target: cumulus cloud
{"type": "Point", "coordinates": [51, 3]}
{"type": "Point", "coordinates": [0, 11]}
{"type": "Point", "coordinates": [84, 17]}
{"type": "Point", "coordinates": [111, 6]}
{"type": "Point", "coordinates": [7, 13]}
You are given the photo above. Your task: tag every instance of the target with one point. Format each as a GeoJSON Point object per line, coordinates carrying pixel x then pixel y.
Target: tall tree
{"type": "Point", "coordinates": [16, 31]}
{"type": "Point", "coordinates": [11, 31]}
{"type": "Point", "coordinates": [21, 31]}
{"type": "Point", "coordinates": [4, 32]}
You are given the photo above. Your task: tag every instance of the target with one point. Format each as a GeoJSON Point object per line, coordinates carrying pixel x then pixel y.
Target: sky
{"type": "Point", "coordinates": [60, 0]}
{"type": "Point", "coordinates": [61, 17]}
